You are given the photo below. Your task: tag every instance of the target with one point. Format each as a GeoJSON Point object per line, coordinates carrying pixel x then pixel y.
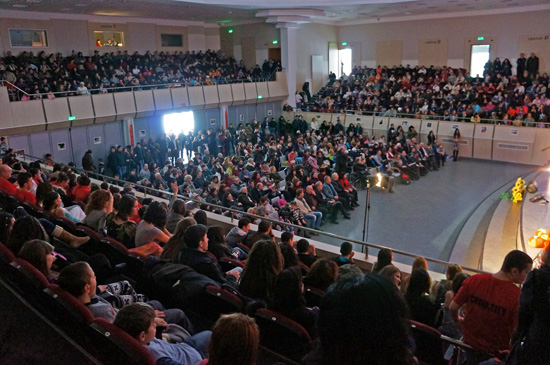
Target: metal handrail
{"type": "Point", "coordinates": [327, 234]}
{"type": "Point", "coordinates": [175, 84]}
{"type": "Point", "coordinates": [439, 118]}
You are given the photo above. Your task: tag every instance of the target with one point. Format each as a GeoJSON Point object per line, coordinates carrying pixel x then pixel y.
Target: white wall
{"type": "Point", "coordinates": [259, 38]}
{"type": "Point", "coordinates": [505, 29]}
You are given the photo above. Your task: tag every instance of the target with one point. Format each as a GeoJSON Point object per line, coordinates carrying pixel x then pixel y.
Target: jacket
{"type": "Point", "coordinates": [235, 236]}
{"type": "Point", "coordinates": [204, 264]}
{"type": "Point", "coordinates": [303, 205]}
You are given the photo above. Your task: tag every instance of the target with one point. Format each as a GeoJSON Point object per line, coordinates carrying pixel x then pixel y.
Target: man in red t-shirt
{"type": "Point", "coordinates": [24, 179]}
{"type": "Point", "coordinates": [5, 185]}
{"type": "Point", "coordinates": [491, 304]}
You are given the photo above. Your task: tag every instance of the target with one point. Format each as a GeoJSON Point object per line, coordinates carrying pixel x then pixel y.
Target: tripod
{"type": "Point", "coordinates": [365, 249]}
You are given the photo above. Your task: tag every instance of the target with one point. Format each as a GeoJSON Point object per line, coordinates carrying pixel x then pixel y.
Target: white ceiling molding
{"type": "Point", "coordinates": [519, 9]}
{"type": "Point", "coordinates": [14, 14]}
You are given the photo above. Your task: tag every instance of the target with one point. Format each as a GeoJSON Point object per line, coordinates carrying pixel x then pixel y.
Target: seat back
{"type": "Point", "coordinates": [5, 254]}
{"type": "Point", "coordinates": [304, 269]}
{"type": "Point", "coordinates": [118, 346]}
{"type": "Point", "coordinates": [430, 348]}
{"type": "Point", "coordinates": [229, 264]}
{"type": "Point", "coordinates": [28, 275]}
{"type": "Point", "coordinates": [282, 335]}
{"type": "Point", "coordinates": [65, 308]}
{"type": "Point", "coordinates": [313, 296]}
{"type": "Point", "coordinates": [216, 301]}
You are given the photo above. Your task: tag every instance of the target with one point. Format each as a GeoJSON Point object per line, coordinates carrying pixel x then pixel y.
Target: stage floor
{"type": "Point", "coordinates": [427, 216]}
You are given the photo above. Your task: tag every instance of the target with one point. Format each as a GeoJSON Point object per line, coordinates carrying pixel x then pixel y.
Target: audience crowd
{"type": "Point", "coordinates": [55, 75]}
{"type": "Point", "coordinates": [443, 93]}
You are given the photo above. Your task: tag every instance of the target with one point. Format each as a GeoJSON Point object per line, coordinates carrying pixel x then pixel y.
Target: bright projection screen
{"type": "Point", "coordinates": [179, 123]}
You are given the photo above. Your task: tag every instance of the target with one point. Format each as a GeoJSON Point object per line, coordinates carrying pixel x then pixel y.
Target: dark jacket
{"type": "Point", "coordinates": [204, 264]}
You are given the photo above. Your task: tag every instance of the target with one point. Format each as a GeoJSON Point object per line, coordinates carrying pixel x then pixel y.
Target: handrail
{"type": "Point", "coordinates": [110, 89]}
{"type": "Point", "coordinates": [331, 235]}
{"type": "Point", "coordinates": [439, 118]}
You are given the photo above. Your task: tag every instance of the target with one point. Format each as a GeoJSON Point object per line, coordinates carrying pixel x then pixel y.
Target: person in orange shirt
{"type": "Point", "coordinates": [24, 179]}
{"type": "Point", "coordinates": [5, 184]}
{"type": "Point", "coordinates": [82, 190]}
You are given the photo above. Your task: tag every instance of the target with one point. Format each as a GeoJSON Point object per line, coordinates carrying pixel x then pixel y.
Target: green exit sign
{"type": "Point", "coordinates": [260, 96]}
{"type": "Point", "coordinates": [480, 38]}
{"type": "Point", "coordinates": [72, 117]}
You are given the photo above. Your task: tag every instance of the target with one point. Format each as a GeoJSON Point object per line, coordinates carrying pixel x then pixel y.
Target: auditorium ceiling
{"type": "Point", "coordinates": [226, 12]}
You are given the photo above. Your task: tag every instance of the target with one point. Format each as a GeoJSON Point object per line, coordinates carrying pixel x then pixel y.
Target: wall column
{"type": "Point", "coordinates": [289, 61]}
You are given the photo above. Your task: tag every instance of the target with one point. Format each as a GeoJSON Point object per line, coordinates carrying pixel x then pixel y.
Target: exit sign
{"type": "Point", "coordinates": [72, 117]}
{"type": "Point", "coordinates": [480, 38]}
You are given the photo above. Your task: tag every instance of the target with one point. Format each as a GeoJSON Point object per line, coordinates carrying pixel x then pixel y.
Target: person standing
{"type": "Point", "coordinates": [520, 65]}
{"type": "Point", "coordinates": [492, 303]}
{"type": "Point", "coordinates": [532, 66]}
{"type": "Point", "coordinates": [456, 141]}
{"type": "Point", "coordinates": [88, 162]}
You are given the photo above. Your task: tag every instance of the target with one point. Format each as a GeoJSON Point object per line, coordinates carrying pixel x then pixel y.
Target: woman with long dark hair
{"type": "Point", "coordinates": [422, 308]}
{"type": "Point", "coordinates": [456, 141]}
{"type": "Point", "coordinates": [119, 225]}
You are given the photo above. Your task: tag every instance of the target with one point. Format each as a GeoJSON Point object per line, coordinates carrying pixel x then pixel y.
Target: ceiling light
{"type": "Point", "coordinates": [19, 5]}
{"type": "Point", "coordinates": [34, 1]}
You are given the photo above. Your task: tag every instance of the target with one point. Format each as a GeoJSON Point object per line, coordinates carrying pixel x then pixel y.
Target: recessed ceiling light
{"type": "Point", "coordinates": [34, 1]}
{"type": "Point", "coordinates": [19, 5]}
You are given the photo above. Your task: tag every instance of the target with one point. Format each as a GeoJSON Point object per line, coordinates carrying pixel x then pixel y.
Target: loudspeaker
{"type": "Point", "coordinates": [532, 187]}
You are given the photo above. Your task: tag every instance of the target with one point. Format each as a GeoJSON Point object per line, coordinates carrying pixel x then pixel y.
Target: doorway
{"type": "Point", "coordinates": [480, 54]}
{"type": "Point", "coordinates": [344, 62]}
{"type": "Point", "coordinates": [177, 123]}
{"type": "Point", "coordinates": [274, 54]}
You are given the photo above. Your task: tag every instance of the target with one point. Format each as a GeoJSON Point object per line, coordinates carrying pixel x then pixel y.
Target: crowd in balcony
{"type": "Point", "coordinates": [499, 95]}
{"type": "Point", "coordinates": [54, 75]}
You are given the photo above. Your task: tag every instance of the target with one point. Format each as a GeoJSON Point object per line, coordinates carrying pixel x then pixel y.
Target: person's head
{"type": "Point", "coordinates": [127, 207]}
{"type": "Point", "coordinates": [517, 265]}
{"type": "Point", "coordinates": [155, 214]}
{"type": "Point", "coordinates": [419, 284]}
{"type": "Point", "coordinates": [79, 280]}
{"type": "Point", "coordinates": [200, 217]}
{"type": "Point", "coordinates": [138, 320]}
{"type": "Point", "coordinates": [235, 340]}
{"type": "Point", "coordinates": [84, 180]}
{"type": "Point", "coordinates": [420, 263]}
{"type": "Point", "coordinates": [458, 280]}
{"type": "Point", "coordinates": [6, 225]}
{"type": "Point", "coordinates": [263, 264]}
{"type": "Point", "coordinates": [302, 246]}
{"type": "Point", "coordinates": [24, 229]}
{"type": "Point", "coordinates": [385, 257]}
{"type": "Point", "coordinates": [5, 171]}
{"type": "Point", "coordinates": [98, 200]}
{"type": "Point", "coordinates": [244, 224]}
{"type": "Point", "coordinates": [196, 237]}
{"type": "Point", "coordinates": [51, 201]}
{"type": "Point", "coordinates": [216, 236]}
{"type": "Point", "coordinates": [24, 179]}
{"type": "Point", "coordinates": [287, 237]}
{"type": "Point", "coordinates": [179, 207]}
{"type": "Point", "coordinates": [346, 249]}
{"type": "Point", "coordinates": [177, 241]}
{"type": "Point", "coordinates": [264, 227]}
{"type": "Point", "coordinates": [393, 273]}
{"type": "Point", "coordinates": [452, 271]}
{"type": "Point", "coordinates": [288, 291]}
{"type": "Point", "coordinates": [323, 273]}
{"type": "Point", "coordinates": [376, 333]}
{"type": "Point", "coordinates": [39, 254]}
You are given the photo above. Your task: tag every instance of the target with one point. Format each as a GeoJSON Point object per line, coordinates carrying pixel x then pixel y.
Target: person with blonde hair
{"type": "Point", "coordinates": [100, 204]}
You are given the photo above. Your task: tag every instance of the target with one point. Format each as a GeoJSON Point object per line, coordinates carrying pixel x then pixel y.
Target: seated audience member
{"type": "Point", "coordinates": [194, 255]}
{"type": "Point", "coordinates": [201, 218]}
{"type": "Point", "coordinates": [235, 340]}
{"type": "Point", "coordinates": [288, 300]}
{"type": "Point", "coordinates": [448, 326]}
{"type": "Point", "coordinates": [81, 192]}
{"type": "Point", "coordinates": [79, 280]}
{"type": "Point", "coordinates": [119, 225]}
{"type": "Point", "coordinates": [418, 263]}
{"type": "Point", "coordinates": [422, 308]}
{"type": "Point", "coordinates": [385, 257]}
{"type": "Point", "coordinates": [139, 320]}
{"type": "Point", "coordinates": [440, 288]}
{"type": "Point", "coordinates": [5, 184]}
{"type": "Point", "coordinates": [346, 254]}
{"type": "Point", "coordinates": [492, 305]}
{"type": "Point", "coordinates": [238, 234]}
{"type": "Point", "coordinates": [323, 274]}
{"type": "Point", "coordinates": [290, 255]}
{"type": "Point", "coordinates": [177, 213]}
{"type": "Point", "coordinates": [263, 264]}
{"type": "Point", "coordinates": [306, 252]}
{"type": "Point", "coordinates": [363, 320]}
{"type": "Point", "coordinates": [176, 243]}
{"type": "Point", "coordinates": [392, 273]}
{"type": "Point", "coordinates": [24, 180]}
{"type": "Point", "coordinates": [40, 254]}
{"type": "Point", "coordinates": [265, 232]}
{"type": "Point", "coordinates": [534, 321]}
{"type": "Point", "coordinates": [100, 204]}
{"type": "Point", "coordinates": [152, 228]}
{"type": "Point", "coordinates": [52, 203]}
{"type": "Point", "coordinates": [219, 248]}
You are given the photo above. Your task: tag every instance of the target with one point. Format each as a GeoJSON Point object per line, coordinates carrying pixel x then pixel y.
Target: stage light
{"type": "Point", "coordinates": [379, 180]}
